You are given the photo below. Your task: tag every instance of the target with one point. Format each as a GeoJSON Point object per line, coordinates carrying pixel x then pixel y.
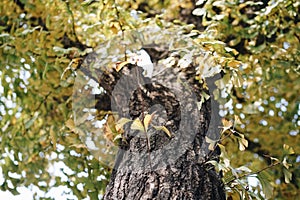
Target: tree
{"type": "Point", "coordinates": [48, 48]}
{"type": "Point", "coordinates": [168, 113]}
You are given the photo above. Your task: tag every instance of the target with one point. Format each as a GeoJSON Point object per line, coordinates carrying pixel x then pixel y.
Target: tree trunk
{"type": "Point", "coordinates": [153, 165]}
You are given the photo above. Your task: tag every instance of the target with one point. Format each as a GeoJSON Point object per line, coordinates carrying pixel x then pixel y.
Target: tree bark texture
{"type": "Point", "coordinates": [153, 165]}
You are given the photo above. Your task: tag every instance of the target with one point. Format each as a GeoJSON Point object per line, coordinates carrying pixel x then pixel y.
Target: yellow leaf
{"type": "Point", "coordinates": [289, 150]}
{"type": "Point", "coordinates": [120, 65]}
{"type": "Point", "coordinates": [70, 124]}
{"type": "Point", "coordinates": [147, 120]}
{"type": "Point", "coordinates": [274, 159]}
{"type": "Point", "coordinates": [79, 146]}
{"type": "Point", "coordinates": [226, 124]}
{"type": "Point", "coordinates": [114, 29]}
{"type": "Point", "coordinates": [234, 64]}
{"type": "Point", "coordinates": [234, 195]}
{"type": "Point", "coordinates": [243, 143]}
{"type": "Point", "coordinates": [285, 163]}
{"type": "Point", "coordinates": [110, 128]}
{"type": "Point", "coordinates": [121, 122]}
{"type": "Point", "coordinates": [163, 128]}
{"type": "Point", "coordinates": [211, 143]}
{"type": "Point", "coordinates": [137, 125]}
{"type": "Point", "coordinates": [111, 123]}
{"type": "Point", "coordinates": [224, 156]}
{"type": "Point", "coordinates": [237, 120]}
{"type": "Point", "coordinates": [119, 136]}
{"type": "Point", "coordinates": [108, 134]}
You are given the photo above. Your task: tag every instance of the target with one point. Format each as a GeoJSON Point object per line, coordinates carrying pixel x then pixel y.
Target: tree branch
{"type": "Point", "coordinates": [253, 173]}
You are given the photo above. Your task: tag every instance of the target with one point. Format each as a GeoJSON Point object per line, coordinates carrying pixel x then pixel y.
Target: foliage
{"type": "Point", "coordinates": [256, 44]}
{"type": "Point", "coordinates": [266, 35]}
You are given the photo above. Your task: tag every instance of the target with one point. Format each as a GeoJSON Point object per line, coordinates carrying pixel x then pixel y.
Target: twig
{"type": "Point", "coordinates": [44, 100]}
{"type": "Point", "coordinates": [73, 20]}
{"type": "Point", "coordinates": [252, 173]}
{"type": "Point", "coordinates": [143, 116]}
{"type": "Point", "coordinates": [216, 145]}
{"type": "Point", "coordinates": [121, 26]}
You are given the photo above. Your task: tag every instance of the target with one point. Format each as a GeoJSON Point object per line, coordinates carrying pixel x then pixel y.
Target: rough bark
{"type": "Point", "coordinates": [172, 167]}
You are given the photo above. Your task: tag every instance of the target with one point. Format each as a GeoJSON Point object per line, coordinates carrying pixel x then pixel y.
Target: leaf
{"type": "Point", "coordinates": [79, 146]}
{"type": "Point", "coordinates": [244, 168]}
{"type": "Point", "coordinates": [243, 144]}
{"type": "Point", "coordinates": [237, 79]}
{"type": "Point", "coordinates": [287, 175]}
{"type": "Point", "coordinates": [70, 124]}
{"type": "Point", "coordinates": [234, 195]}
{"type": "Point", "coordinates": [199, 11]}
{"type": "Point", "coordinates": [267, 188]}
{"type": "Point", "coordinates": [147, 120]}
{"type": "Point", "coordinates": [230, 50]}
{"type": "Point", "coordinates": [163, 128]}
{"type": "Point", "coordinates": [111, 123]}
{"type": "Point", "coordinates": [234, 64]}
{"type": "Point", "coordinates": [288, 150]}
{"type": "Point", "coordinates": [30, 122]}
{"type": "Point", "coordinates": [26, 31]}
{"type": "Point", "coordinates": [185, 61]}
{"type": "Point", "coordinates": [251, 108]}
{"type": "Point", "coordinates": [121, 122]}
{"type": "Point", "coordinates": [205, 96]}
{"type": "Point", "coordinates": [137, 125]}
{"type": "Point", "coordinates": [199, 2]}
{"type": "Point", "coordinates": [119, 136]}
{"type": "Point", "coordinates": [93, 194]}
{"type": "Point", "coordinates": [120, 65]}
{"type": "Point", "coordinates": [211, 143]}
{"type": "Point", "coordinates": [274, 159]}
{"type": "Point", "coordinates": [237, 120]}
{"type": "Point", "coordinates": [199, 103]}
{"type": "Point", "coordinates": [226, 125]}
{"type": "Point", "coordinates": [224, 155]}
{"type": "Point", "coordinates": [53, 137]}
{"type": "Point", "coordinates": [4, 35]}
{"type": "Point", "coordinates": [213, 162]}
{"type": "Point", "coordinates": [110, 128]}
{"type": "Point", "coordinates": [285, 163]}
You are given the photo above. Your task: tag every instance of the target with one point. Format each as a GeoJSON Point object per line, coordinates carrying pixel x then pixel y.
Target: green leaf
{"type": "Point", "coordinates": [265, 181]}
{"type": "Point", "coordinates": [93, 195]}
{"type": "Point", "coordinates": [30, 122]}
{"type": "Point", "coordinates": [237, 78]}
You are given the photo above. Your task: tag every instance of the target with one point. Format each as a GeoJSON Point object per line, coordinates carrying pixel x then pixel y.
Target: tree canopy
{"type": "Point", "coordinates": [254, 44]}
